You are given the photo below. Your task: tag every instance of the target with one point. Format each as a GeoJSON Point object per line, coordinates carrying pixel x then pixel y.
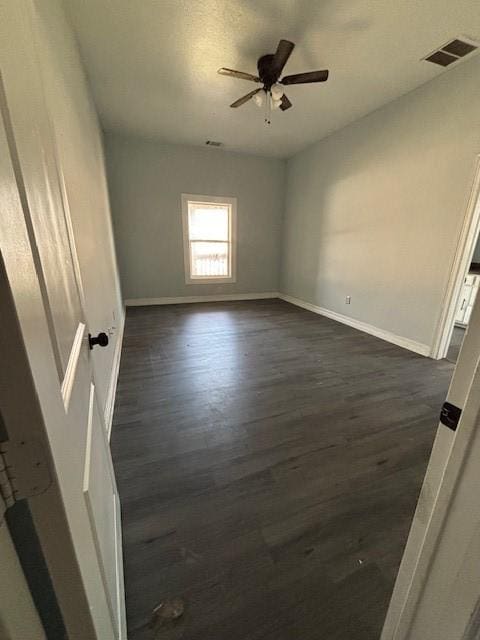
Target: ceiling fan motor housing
{"type": "Point", "coordinates": [268, 74]}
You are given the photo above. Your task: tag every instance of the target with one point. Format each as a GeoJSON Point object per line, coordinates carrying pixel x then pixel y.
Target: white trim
{"type": "Point", "coordinates": [87, 495]}
{"type": "Point", "coordinates": [143, 302]}
{"type": "Point", "coordinates": [459, 268]}
{"type": "Point", "coordinates": [112, 387]}
{"type": "Point", "coordinates": [232, 240]}
{"type": "Point", "coordinates": [71, 369]}
{"type": "Point", "coordinates": [406, 343]}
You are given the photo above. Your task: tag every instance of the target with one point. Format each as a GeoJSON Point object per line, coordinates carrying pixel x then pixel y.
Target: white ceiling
{"type": "Point", "coordinates": [152, 64]}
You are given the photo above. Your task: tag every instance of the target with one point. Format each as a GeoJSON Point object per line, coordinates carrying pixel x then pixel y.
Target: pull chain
{"type": "Point", "coordinates": [268, 106]}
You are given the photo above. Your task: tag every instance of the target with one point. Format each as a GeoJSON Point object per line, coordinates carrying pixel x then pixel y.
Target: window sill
{"type": "Point", "coordinates": [210, 280]}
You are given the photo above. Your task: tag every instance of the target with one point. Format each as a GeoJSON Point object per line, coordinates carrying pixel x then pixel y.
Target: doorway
{"type": "Point", "coordinates": [463, 282]}
{"type": "Point", "coordinates": [465, 304]}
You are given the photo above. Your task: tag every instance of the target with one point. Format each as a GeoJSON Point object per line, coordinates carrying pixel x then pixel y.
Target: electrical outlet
{"type": "Point", "coordinates": [348, 300]}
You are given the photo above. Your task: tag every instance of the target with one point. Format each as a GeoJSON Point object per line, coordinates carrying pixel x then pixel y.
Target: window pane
{"type": "Point", "coordinates": [209, 259]}
{"type": "Point", "coordinates": [208, 222]}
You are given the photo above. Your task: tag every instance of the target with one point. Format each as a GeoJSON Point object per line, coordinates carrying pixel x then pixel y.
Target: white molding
{"type": "Point", "coordinates": [71, 369]}
{"type": "Point", "coordinates": [406, 343]}
{"type": "Point", "coordinates": [112, 387]}
{"type": "Point", "coordinates": [388, 336]}
{"type": "Point", "coordinates": [459, 268]}
{"type": "Point", "coordinates": [142, 302]}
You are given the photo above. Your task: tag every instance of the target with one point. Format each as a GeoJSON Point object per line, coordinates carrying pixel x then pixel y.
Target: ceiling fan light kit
{"type": "Point", "coordinates": [270, 67]}
{"type": "Point", "coordinates": [275, 103]}
{"type": "Point", "coordinates": [277, 91]}
{"type": "Point", "coordinates": [259, 99]}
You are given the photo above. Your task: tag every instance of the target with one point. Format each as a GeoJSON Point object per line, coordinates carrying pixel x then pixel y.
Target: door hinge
{"type": "Point", "coordinates": [24, 472]}
{"type": "Point", "coordinates": [450, 415]}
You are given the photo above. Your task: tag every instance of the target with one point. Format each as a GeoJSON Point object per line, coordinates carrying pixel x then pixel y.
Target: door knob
{"type": "Point", "coordinates": [101, 340]}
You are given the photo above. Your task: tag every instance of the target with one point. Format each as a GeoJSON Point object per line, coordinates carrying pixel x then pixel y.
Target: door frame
{"type": "Point", "coordinates": [463, 256]}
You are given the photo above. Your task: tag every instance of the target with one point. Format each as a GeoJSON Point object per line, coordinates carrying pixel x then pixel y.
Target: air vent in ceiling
{"type": "Point", "coordinates": [452, 51]}
{"type": "Point", "coordinates": [213, 143]}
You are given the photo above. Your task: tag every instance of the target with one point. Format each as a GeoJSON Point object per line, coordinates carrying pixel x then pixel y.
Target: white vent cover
{"type": "Point", "coordinates": [452, 51]}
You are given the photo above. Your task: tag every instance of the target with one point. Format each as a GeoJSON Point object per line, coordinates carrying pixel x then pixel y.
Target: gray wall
{"type": "Point", "coordinates": [146, 180]}
{"type": "Point", "coordinates": [375, 210]}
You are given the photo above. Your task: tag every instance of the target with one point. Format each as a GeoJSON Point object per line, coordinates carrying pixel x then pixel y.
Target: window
{"type": "Point", "coordinates": [209, 238]}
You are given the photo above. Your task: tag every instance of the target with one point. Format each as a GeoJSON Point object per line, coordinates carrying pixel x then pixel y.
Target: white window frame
{"type": "Point", "coordinates": [232, 203]}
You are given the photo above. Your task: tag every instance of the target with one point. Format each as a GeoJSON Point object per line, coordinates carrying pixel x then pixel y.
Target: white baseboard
{"type": "Point", "coordinates": [388, 336]}
{"type": "Point", "coordinates": [141, 302]}
{"type": "Point", "coordinates": [406, 343]}
{"type": "Point", "coordinates": [112, 387]}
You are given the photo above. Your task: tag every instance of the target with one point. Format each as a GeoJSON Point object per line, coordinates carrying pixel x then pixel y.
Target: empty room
{"type": "Point", "coordinates": [239, 258]}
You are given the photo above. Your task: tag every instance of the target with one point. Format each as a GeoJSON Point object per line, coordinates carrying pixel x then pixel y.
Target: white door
{"type": "Point", "coordinates": [38, 250]}
{"type": "Point", "coordinates": [464, 297]}
{"type": "Point", "coordinates": [437, 592]}
{"type": "Point", "coordinates": [473, 279]}
{"type": "Point", "coordinates": [467, 299]}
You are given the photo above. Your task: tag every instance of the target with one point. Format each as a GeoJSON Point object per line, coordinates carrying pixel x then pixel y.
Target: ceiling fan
{"type": "Point", "coordinates": [270, 67]}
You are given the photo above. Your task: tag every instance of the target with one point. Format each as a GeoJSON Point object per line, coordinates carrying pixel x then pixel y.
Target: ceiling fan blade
{"type": "Point", "coordinates": [303, 78]}
{"type": "Point", "coordinates": [238, 74]}
{"type": "Point", "coordinates": [249, 96]}
{"type": "Point", "coordinates": [282, 54]}
{"type": "Point", "coordinates": [285, 103]}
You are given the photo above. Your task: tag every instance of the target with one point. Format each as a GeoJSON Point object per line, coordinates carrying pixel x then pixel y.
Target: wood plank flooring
{"type": "Point", "coordinates": [268, 462]}
{"type": "Point", "coordinates": [455, 344]}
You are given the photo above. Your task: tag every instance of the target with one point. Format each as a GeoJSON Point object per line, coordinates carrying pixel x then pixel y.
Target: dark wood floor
{"type": "Point", "coordinates": [455, 344]}
{"type": "Point", "coordinates": [268, 462]}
